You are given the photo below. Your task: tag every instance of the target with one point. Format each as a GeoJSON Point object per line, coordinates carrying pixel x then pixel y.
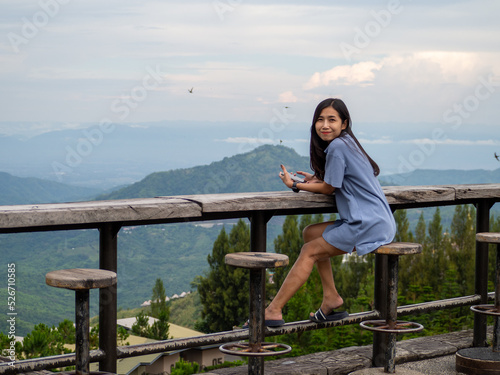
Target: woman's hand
{"type": "Point", "coordinates": [285, 177]}
{"type": "Point", "coordinates": [308, 177]}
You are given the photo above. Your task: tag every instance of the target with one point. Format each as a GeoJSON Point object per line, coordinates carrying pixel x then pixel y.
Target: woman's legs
{"type": "Point", "coordinates": [315, 250]}
{"type": "Point", "coordinates": [331, 298]}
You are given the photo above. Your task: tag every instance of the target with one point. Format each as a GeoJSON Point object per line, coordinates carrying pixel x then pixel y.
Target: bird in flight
{"type": "Point", "coordinates": [191, 91]}
{"type": "Point", "coordinates": [497, 156]}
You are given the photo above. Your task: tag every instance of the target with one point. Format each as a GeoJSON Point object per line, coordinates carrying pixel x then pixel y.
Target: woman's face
{"type": "Point", "coordinates": [329, 125]}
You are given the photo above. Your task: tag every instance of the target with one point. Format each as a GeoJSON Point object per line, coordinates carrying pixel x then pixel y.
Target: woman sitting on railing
{"type": "Point", "coordinates": [366, 222]}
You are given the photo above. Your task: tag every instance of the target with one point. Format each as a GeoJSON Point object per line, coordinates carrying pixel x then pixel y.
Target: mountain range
{"type": "Point", "coordinates": [253, 171]}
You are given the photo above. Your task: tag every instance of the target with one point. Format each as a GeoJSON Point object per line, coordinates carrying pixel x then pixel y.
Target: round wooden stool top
{"type": "Point", "coordinates": [399, 248]}
{"type": "Point", "coordinates": [81, 278]}
{"type": "Point", "coordinates": [256, 260]}
{"type": "Point", "coordinates": [488, 237]}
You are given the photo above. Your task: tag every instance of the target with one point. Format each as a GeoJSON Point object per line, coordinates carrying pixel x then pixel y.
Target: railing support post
{"type": "Point", "coordinates": [258, 242]}
{"type": "Point", "coordinates": [258, 231]}
{"type": "Point", "coordinates": [108, 260]}
{"type": "Point", "coordinates": [481, 276]}
{"type": "Point", "coordinates": [380, 340]}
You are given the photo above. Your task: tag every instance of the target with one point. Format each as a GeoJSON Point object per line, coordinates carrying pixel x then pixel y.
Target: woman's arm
{"type": "Point", "coordinates": [320, 187]}
{"type": "Point", "coordinates": [314, 186]}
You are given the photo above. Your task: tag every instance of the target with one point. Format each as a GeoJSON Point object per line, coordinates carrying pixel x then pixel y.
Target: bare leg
{"type": "Point", "coordinates": [331, 298]}
{"type": "Point", "coordinates": [312, 252]}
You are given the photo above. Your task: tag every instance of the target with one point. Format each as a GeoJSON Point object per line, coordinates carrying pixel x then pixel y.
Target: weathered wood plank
{"type": "Point", "coordinates": [194, 207]}
{"type": "Point", "coordinates": [479, 191]}
{"type": "Point", "coordinates": [22, 216]}
{"type": "Point", "coordinates": [418, 194]}
{"type": "Point", "coordinates": [276, 200]}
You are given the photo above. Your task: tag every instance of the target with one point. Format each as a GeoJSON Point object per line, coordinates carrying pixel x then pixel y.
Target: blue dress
{"type": "Point", "coordinates": [366, 221]}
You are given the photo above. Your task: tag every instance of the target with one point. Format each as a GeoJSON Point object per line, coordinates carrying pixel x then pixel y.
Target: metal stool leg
{"type": "Point", "coordinates": [496, 329]}
{"type": "Point", "coordinates": [82, 331]}
{"type": "Point", "coordinates": [392, 313]}
{"type": "Point", "coordinates": [386, 299]}
{"type": "Point", "coordinates": [256, 326]}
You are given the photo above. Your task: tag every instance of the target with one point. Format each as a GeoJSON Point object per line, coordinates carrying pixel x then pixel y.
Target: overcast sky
{"type": "Point", "coordinates": [65, 63]}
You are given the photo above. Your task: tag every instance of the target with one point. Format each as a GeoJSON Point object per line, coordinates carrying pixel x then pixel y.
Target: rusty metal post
{"type": "Point", "coordinates": [257, 326]}
{"type": "Point", "coordinates": [392, 313]}
{"type": "Point", "coordinates": [82, 331]}
{"type": "Point", "coordinates": [258, 242]}
{"type": "Point", "coordinates": [481, 276]}
{"type": "Point", "coordinates": [496, 328]}
{"type": "Point", "coordinates": [258, 231]}
{"type": "Point", "coordinates": [108, 260]}
{"type": "Point", "coordinates": [380, 305]}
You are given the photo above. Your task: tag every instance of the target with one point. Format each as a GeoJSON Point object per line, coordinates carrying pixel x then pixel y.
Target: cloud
{"type": "Point", "coordinates": [287, 97]}
{"type": "Point", "coordinates": [422, 68]}
{"type": "Point", "coordinates": [358, 74]}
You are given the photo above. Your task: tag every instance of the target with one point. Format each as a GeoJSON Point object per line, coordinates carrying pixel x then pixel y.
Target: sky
{"type": "Point", "coordinates": [418, 77]}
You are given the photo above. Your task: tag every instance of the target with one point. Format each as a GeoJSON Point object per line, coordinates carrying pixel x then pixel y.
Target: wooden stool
{"type": "Point", "coordinates": [390, 326]}
{"type": "Point", "coordinates": [480, 360]}
{"type": "Point", "coordinates": [256, 349]}
{"type": "Point", "coordinates": [81, 281]}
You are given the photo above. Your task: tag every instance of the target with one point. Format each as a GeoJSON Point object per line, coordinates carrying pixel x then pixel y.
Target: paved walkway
{"type": "Point", "coordinates": [425, 355]}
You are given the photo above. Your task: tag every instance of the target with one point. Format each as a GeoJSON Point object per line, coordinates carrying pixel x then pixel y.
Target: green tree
{"type": "Point", "coordinates": [224, 289]}
{"type": "Point", "coordinates": [434, 253]}
{"type": "Point", "coordinates": [67, 331]}
{"type": "Point", "coordinates": [158, 300]}
{"type": "Point", "coordinates": [159, 330]}
{"type": "Point", "coordinates": [141, 325]}
{"type": "Point", "coordinates": [122, 335]}
{"type": "Point", "coordinates": [420, 236]}
{"type": "Point", "coordinates": [462, 251]}
{"type": "Point", "coordinates": [403, 233]}
{"type": "Point", "coordinates": [5, 345]}
{"type": "Point", "coordinates": [43, 341]}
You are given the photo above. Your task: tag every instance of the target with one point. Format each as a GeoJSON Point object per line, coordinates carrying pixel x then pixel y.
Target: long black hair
{"type": "Point", "coordinates": [318, 146]}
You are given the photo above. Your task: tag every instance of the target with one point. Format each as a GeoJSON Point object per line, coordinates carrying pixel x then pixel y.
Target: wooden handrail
{"type": "Point", "coordinates": [143, 211]}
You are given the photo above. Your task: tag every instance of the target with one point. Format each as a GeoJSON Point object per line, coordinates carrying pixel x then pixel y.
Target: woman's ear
{"type": "Point", "coordinates": [344, 125]}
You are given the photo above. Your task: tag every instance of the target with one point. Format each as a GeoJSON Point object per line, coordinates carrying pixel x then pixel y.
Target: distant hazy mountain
{"type": "Point", "coordinates": [254, 171]}
{"type": "Point", "coordinates": [257, 171]}
{"type": "Point", "coordinates": [443, 177]}
{"type": "Point", "coordinates": [18, 190]}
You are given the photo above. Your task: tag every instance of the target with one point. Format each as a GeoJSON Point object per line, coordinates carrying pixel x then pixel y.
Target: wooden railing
{"type": "Point", "coordinates": [109, 216]}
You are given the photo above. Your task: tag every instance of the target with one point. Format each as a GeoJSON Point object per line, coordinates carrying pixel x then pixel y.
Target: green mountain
{"type": "Point", "coordinates": [29, 190]}
{"type": "Point", "coordinates": [253, 171]}
{"type": "Point", "coordinates": [443, 177]}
